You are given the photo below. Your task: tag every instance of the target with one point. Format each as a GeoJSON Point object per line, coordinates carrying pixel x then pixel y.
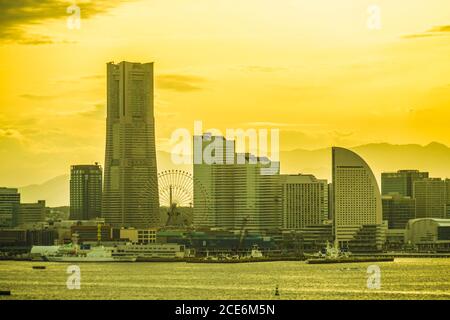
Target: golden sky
{"type": "Point", "coordinates": [311, 68]}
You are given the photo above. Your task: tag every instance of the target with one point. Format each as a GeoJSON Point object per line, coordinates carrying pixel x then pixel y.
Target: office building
{"type": "Point", "coordinates": [20, 240]}
{"type": "Point", "coordinates": [431, 198]}
{"type": "Point", "coordinates": [30, 213]}
{"type": "Point", "coordinates": [85, 192]}
{"type": "Point", "coordinates": [356, 198]}
{"type": "Point", "coordinates": [401, 182]}
{"type": "Point", "coordinates": [304, 201]}
{"type": "Point", "coordinates": [130, 194]}
{"type": "Point", "coordinates": [398, 210]}
{"type": "Point", "coordinates": [9, 205]}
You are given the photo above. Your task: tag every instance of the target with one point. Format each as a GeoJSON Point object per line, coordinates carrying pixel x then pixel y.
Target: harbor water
{"type": "Point", "coordinates": [405, 278]}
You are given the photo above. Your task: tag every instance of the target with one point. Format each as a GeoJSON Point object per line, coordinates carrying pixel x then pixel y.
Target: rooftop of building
{"type": "Point", "coordinates": [300, 178]}
{"type": "Point", "coordinates": [6, 190]}
{"type": "Point", "coordinates": [440, 222]}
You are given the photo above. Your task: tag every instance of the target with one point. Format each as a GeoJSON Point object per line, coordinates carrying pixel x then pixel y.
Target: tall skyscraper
{"type": "Point", "coordinates": [401, 182]}
{"type": "Point", "coordinates": [130, 194]}
{"type": "Point", "coordinates": [431, 198]}
{"type": "Point", "coordinates": [85, 192]}
{"type": "Point", "coordinates": [238, 194]}
{"type": "Point", "coordinates": [356, 196]}
{"type": "Point", "coordinates": [9, 205]}
{"type": "Point", "coordinates": [304, 201]}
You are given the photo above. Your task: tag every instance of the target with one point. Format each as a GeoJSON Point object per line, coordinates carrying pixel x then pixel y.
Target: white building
{"type": "Point", "coordinates": [356, 196]}
{"type": "Point", "coordinates": [304, 200]}
{"type": "Point", "coordinates": [238, 194]}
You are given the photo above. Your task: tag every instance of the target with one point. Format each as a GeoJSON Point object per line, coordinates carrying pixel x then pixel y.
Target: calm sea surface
{"type": "Point", "coordinates": [402, 279]}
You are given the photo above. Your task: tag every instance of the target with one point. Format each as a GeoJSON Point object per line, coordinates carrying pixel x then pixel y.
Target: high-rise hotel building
{"type": "Point", "coordinates": [357, 201]}
{"type": "Point", "coordinates": [304, 200]}
{"type": "Point", "coordinates": [234, 194]}
{"type": "Point", "coordinates": [130, 193]}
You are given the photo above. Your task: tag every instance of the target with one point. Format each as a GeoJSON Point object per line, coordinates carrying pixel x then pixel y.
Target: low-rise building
{"type": "Point", "coordinates": [92, 233]}
{"type": "Point", "coordinates": [395, 239]}
{"type": "Point", "coordinates": [429, 234]}
{"type": "Point", "coordinates": [138, 235]}
{"type": "Point", "coordinates": [30, 213]}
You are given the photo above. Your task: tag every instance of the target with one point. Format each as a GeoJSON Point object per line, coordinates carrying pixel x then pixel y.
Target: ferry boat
{"type": "Point", "coordinates": [93, 254]}
{"type": "Point", "coordinates": [255, 255]}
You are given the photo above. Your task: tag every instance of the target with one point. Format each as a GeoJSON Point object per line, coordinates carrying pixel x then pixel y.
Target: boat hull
{"type": "Point", "coordinates": [90, 259]}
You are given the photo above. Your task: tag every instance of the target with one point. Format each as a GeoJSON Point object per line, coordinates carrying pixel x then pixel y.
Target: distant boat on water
{"type": "Point", "coordinates": [334, 255]}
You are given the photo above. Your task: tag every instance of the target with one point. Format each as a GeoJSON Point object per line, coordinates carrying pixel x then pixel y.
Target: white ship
{"type": "Point", "coordinates": [94, 254]}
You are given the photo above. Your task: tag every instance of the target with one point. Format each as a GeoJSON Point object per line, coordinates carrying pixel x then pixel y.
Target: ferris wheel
{"type": "Point", "coordinates": [176, 193]}
{"type": "Point", "coordinates": [176, 187]}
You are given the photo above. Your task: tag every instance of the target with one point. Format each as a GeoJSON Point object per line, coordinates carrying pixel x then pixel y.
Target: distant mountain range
{"type": "Point", "coordinates": [381, 157]}
{"type": "Point", "coordinates": [55, 191]}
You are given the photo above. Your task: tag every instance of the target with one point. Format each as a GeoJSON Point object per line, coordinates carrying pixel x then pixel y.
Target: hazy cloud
{"type": "Point", "coordinates": [433, 32]}
{"type": "Point", "coordinates": [17, 15]}
{"type": "Point", "coordinates": [269, 124]}
{"type": "Point", "coordinates": [263, 69]}
{"type": "Point", "coordinates": [11, 133]}
{"type": "Point", "coordinates": [93, 77]}
{"type": "Point", "coordinates": [73, 80]}
{"type": "Point", "coordinates": [179, 82]}
{"type": "Point", "coordinates": [97, 112]}
{"type": "Point", "coordinates": [37, 97]}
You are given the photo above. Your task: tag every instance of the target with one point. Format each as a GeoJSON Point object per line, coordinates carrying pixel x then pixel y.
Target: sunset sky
{"type": "Point", "coordinates": [313, 69]}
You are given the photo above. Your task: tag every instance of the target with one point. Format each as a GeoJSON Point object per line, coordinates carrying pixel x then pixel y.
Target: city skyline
{"type": "Point", "coordinates": [199, 151]}
{"type": "Point", "coordinates": [322, 83]}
